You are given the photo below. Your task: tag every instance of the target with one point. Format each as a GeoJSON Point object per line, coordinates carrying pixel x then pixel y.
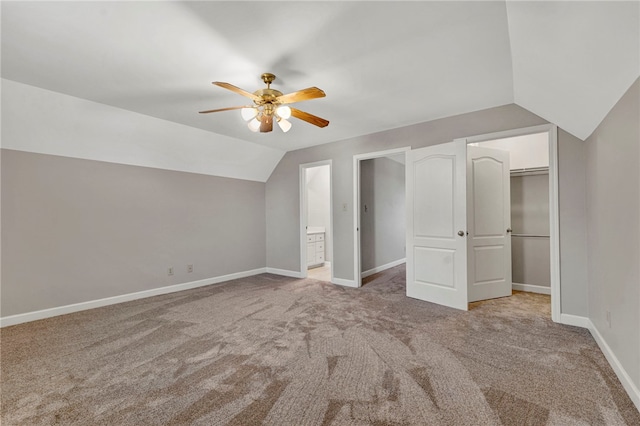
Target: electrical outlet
{"type": "Point", "coordinates": [189, 268]}
{"type": "Point", "coordinates": [170, 270]}
{"type": "Point", "coordinates": [609, 318]}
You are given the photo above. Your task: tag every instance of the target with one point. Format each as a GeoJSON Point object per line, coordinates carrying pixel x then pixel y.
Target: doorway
{"type": "Point", "coordinates": [437, 221]}
{"type": "Point", "coordinates": [379, 212]}
{"type": "Point", "coordinates": [316, 225]}
{"type": "Point", "coordinates": [548, 133]}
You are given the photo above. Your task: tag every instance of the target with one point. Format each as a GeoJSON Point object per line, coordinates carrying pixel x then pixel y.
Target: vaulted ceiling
{"type": "Point", "coordinates": [382, 65]}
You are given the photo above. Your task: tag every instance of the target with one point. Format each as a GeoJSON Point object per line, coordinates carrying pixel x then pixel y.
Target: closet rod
{"type": "Point", "coordinates": [530, 235]}
{"type": "Point", "coordinates": [531, 170]}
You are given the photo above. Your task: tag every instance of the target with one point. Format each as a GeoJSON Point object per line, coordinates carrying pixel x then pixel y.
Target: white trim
{"type": "Point", "coordinates": [574, 320]}
{"type": "Point", "coordinates": [91, 304]}
{"type": "Point", "coordinates": [357, 276]}
{"type": "Point", "coordinates": [531, 288]}
{"type": "Point", "coordinates": [381, 268]}
{"type": "Point", "coordinates": [287, 273]}
{"type": "Point", "coordinates": [343, 282]}
{"type": "Point", "coordinates": [511, 133]}
{"type": "Point", "coordinates": [303, 214]}
{"type": "Point", "coordinates": [554, 224]}
{"type": "Point", "coordinates": [302, 175]}
{"type": "Point", "coordinates": [378, 154]}
{"type": "Point", "coordinates": [357, 279]}
{"type": "Point", "coordinates": [623, 376]}
{"type": "Point", "coordinates": [554, 212]}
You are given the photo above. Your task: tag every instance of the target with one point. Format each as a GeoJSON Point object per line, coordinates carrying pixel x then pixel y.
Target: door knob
{"type": "Point", "coordinates": [509, 230]}
{"type": "Point", "coordinates": [461, 233]}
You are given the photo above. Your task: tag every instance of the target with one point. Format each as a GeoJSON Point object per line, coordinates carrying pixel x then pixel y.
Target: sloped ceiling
{"type": "Point", "coordinates": [382, 65]}
{"type": "Point", "coordinates": [572, 61]}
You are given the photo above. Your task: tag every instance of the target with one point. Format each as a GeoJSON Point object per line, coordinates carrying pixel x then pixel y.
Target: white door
{"type": "Point", "coordinates": [489, 213]}
{"type": "Point", "coordinates": [436, 224]}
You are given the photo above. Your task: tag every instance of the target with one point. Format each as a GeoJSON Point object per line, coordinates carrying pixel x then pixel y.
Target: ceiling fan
{"type": "Point", "coordinates": [271, 104]}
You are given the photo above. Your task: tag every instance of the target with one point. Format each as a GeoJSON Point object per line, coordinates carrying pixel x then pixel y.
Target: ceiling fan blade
{"type": "Point", "coordinates": [309, 118]}
{"type": "Point", "coordinates": [225, 109]}
{"type": "Point", "coordinates": [301, 95]}
{"type": "Point", "coordinates": [266, 124]}
{"type": "Point", "coordinates": [236, 90]}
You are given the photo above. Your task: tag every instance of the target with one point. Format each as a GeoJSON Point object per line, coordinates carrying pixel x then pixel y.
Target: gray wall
{"type": "Point", "coordinates": [382, 223]}
{"type": "Point", "coordinates": [282, 191]}
{"type": "Point", "coordinates": [530, 215]}
{"type": "Point", "coordinates": [78, 230]}
{"type": "Point", "coordinates": [573, 224]}
{"type": "Point", "coordinates": [613, 211]}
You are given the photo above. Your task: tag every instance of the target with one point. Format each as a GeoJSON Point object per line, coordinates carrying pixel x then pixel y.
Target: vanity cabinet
{"type": "Point", "coordinates": [315, 249]}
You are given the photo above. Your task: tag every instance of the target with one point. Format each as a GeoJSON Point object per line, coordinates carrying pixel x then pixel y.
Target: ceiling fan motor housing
{"type": "Point", "coordinates": [267, 96]}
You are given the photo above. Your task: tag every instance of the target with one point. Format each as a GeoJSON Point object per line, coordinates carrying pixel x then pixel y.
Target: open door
{"type": "Point", "coordinates": [489, 226]}
{"type": "Point", "coordinates": [436, 224]}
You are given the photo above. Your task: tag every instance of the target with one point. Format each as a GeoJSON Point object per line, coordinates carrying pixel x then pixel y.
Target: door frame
{"type": "Point", "coordinates": [357, 266]}
{"type": "Point", "coordinates": [303, 214]}
{"type": "Point", "coordinates": [554, 212]}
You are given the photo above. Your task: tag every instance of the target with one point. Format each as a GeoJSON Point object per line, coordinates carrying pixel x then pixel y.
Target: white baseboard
{"type": "Point", "coordinates": [575, 320]}
{"type": "Point", "coordinates": [285, 273]}
{"type": "Point", "coordinates": [342, 281]}
{"type": "Point", "coordinates": [381, 268]}
{"type": "Point", "coordinates": [625, 379]}
{"type": "Point", "coordinates": [83, 306]}
{"type": "Point", "coordinates": [531, 288]}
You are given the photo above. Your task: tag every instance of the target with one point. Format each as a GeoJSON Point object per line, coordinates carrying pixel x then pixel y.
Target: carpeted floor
{"type": "Point", "coordinates": [281, 351]}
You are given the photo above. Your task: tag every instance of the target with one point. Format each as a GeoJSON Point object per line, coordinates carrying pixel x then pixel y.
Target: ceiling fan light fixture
{"type": "Point", "coordinates": [254, 125]}
{"type": "Point", "coordinates": [271, 104]}
{"type": "Point", "coordinates": [248, 113]}
{"type": "Point", "coordinates": [284, 125]}
{"type": "Point", "coordinates": [283, 112]}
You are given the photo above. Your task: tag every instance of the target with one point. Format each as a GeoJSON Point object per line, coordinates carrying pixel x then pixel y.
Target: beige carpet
{"type": "Point", "coordinates": [280, 351]}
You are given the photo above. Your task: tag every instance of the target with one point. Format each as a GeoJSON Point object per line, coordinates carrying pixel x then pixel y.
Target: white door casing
{"type": "Point", "coordinates": [357, 273]}
{"type": "Point", "coordinates": [554, 214]}
{"type": "Point", "coordinates": [436, 216]}
{"type": "Point", "coordinates": [489, 223]}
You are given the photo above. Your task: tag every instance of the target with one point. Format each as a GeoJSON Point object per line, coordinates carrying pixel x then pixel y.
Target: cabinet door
{"type": "Point", "coordinates": [311, 253]}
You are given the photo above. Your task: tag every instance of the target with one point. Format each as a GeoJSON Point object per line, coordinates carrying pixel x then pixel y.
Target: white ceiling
{"type": "Point", "coordinates": [382, 64]}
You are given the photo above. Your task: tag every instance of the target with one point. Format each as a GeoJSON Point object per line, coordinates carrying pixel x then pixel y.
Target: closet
{"type": "Point", "coordinates": [530, 250]}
